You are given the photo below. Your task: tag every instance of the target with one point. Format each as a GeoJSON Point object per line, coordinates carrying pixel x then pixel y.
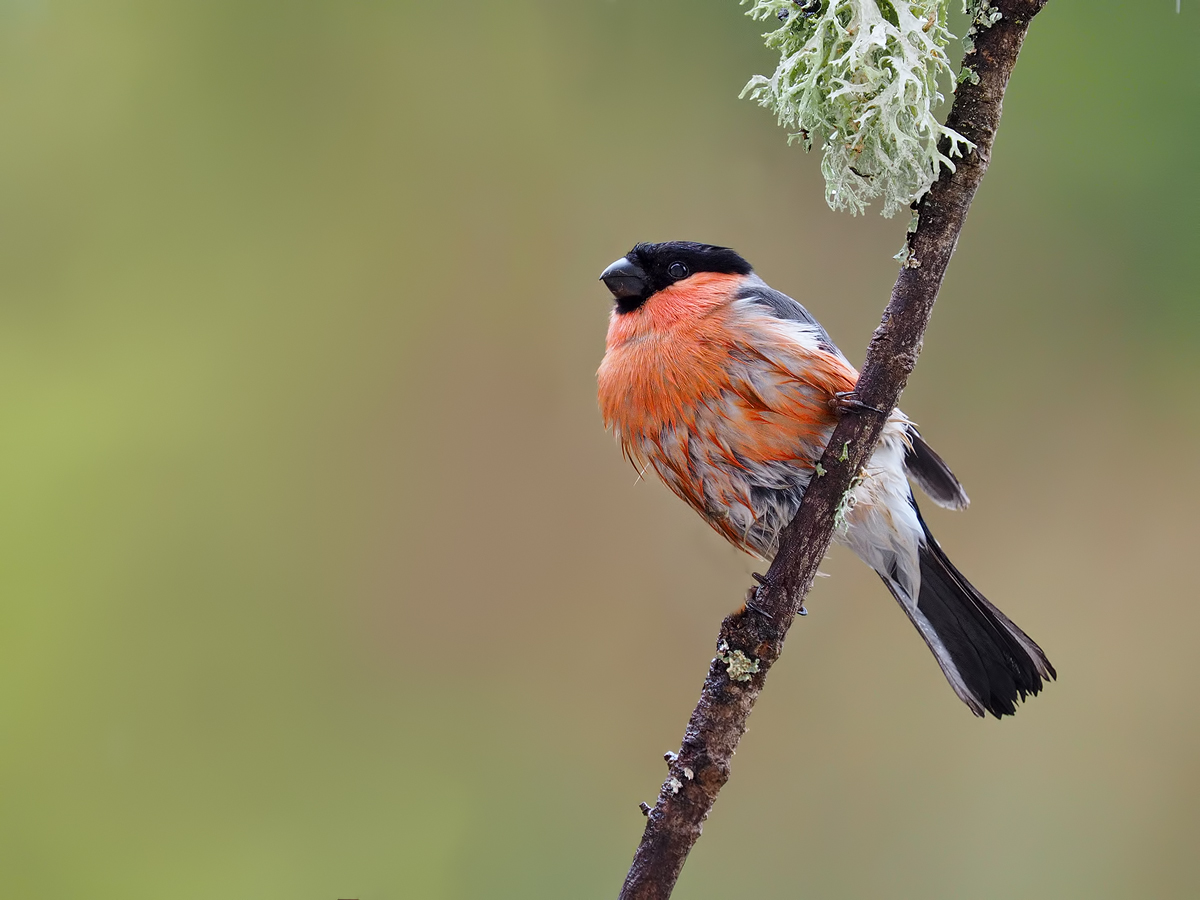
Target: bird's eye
{"type": "Point", "coordinates": [677, 270]}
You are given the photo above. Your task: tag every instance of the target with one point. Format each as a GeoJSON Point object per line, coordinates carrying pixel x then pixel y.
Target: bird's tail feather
{"type": "Point", "coordinates": [989, 661]}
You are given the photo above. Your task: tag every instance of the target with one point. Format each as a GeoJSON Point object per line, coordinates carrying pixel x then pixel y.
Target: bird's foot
{"type": "Point", "coordinates": [752, 596]}
{"type": "Point", "coordinates": [847, 401]}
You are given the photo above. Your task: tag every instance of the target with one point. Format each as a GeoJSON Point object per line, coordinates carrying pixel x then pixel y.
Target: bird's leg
{"type": "Point", "coordinates": [843, 402]}
{"type": "Point", "coordinates": [752, 595]}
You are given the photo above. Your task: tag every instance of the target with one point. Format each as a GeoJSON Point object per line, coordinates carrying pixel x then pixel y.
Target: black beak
{"type": "Point", "coordinates": [625, 279]}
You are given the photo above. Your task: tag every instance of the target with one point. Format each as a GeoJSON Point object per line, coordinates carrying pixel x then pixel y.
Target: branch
{"type": "Point", "coordinates": [751, 640]}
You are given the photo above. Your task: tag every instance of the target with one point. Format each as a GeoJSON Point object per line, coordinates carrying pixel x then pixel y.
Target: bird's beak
{"type": "Point", "coordinates": [624, 279]}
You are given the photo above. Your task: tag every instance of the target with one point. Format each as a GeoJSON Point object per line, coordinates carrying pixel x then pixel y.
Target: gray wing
{"type": "Point", "coordinates": [932, 474]}
{"type": "Point", "coordinates": [783, 307]}
{"type": "Point", "coordinates": [923, 465]}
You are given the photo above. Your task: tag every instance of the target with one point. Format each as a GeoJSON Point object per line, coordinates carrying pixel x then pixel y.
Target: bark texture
{"type": "Point", "coordinates": [751, 640]}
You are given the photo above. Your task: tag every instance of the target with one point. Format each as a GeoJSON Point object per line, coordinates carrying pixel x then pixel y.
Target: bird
{"type": "Point", "coordinates": [729, 390]}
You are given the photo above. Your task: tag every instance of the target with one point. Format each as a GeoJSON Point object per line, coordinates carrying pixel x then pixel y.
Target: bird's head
{"type": "Point", "coordinates": [648, 268]}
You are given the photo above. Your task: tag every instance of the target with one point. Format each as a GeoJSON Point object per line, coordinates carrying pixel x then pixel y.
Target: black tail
{"type": "Point", "coordinates": [930, 471]}
{"type": "Point", "coordinates": [989, 661]}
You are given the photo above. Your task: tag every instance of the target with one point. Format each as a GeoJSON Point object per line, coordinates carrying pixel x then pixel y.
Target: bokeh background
{"type": "Point", "coordinates": [319, 577]}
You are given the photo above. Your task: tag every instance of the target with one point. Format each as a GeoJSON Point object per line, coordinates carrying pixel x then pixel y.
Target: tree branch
{"type": "Point", "coordinates": [751, 640]}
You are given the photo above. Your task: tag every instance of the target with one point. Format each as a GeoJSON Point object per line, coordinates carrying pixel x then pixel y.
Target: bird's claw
{"type": "Point", "coordinates": [750, 605]}
{"type": "Point", "coordinates": [752, 595]}
{"type": "Point", "coordinates": [843, 402]}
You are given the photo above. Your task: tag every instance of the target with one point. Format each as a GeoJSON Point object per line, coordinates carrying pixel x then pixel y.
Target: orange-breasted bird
{"type": "Point", "coordinates": [729, 390]}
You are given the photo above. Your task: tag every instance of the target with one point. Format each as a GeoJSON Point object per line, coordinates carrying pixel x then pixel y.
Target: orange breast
{"type": "Point", "coordinates": [718, 396]}
{"type": "Point", "coordinates": [664, 357]}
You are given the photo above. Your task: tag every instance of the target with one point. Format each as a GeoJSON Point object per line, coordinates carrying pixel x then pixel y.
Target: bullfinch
{"type": "Point", "coordinates": [730, 390]}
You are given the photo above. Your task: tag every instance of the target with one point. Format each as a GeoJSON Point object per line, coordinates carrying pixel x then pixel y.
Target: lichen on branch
{"type": "Point", "coordinates": [860, 79]}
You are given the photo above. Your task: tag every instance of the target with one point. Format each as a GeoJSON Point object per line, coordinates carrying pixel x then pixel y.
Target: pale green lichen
{"type": "Point", "coordinates": [983, 16]}
{"type": "Point", "coordinates": [968, 74]}
{"type": "Point", "coordinates": [982, 13]}
{"type": "Point", "coordinates": [905, 257]}
{"type": "Point", "coordinates": [738, 664]}
{"type": "Point", "coordinates": [859, 77]}
{"type": "Point", "coordinates": [845, 505]}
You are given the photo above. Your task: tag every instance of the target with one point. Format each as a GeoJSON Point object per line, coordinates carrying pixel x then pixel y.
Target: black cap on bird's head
{"type": "Point", "coordinates": [648, 268]}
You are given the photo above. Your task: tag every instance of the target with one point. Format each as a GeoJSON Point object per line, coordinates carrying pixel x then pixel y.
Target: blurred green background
{"type": "Point", "coordinates": [319, 577]}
